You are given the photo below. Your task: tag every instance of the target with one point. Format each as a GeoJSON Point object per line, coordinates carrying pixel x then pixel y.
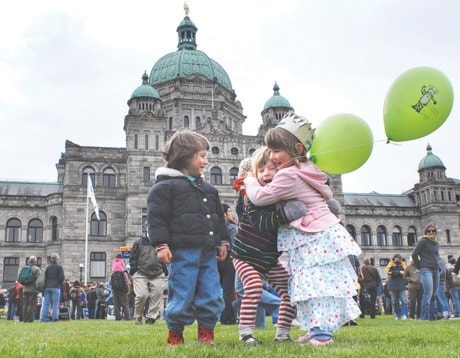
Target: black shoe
{"type": "Point", "coordinates": [149, 321]}
{"type": "Point", "coordinates": [353, 323]}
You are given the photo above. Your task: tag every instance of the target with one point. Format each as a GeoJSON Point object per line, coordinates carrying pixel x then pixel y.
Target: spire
{"type": "Point", "coordinates": [186, 9]}
{"type": "Point", "coordinates": [145, 78]}
{"type": "Point", "coordinates": [276, 89]}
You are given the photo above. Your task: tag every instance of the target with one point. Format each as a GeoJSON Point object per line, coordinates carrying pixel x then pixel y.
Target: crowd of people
{"type": "Point", "coordinates": [285, 254]}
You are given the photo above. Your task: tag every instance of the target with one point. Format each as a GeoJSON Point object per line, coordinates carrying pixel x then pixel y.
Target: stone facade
{"type": "Point", "coordinates": [42, 218]}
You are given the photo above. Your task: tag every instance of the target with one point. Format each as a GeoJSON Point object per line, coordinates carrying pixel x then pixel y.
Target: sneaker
{"type": "Point", "coordinates": [303, 339]}
{"type": "Point", "coordinates": [149, 321]}
{"type": "Point", "coordinates": [283, 338]}
{"type": "Point", "coordinates": [319, 342]}
{"type": "Point", "coordinates": [250, 340]}
{"type": "Point", "coordinates": [403, 317]}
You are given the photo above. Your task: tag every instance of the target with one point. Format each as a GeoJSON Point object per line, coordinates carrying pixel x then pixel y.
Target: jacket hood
{"type": "Point", "coordinates": [168, 172]}
{"type": "Point", "coordinates": [316, 178]}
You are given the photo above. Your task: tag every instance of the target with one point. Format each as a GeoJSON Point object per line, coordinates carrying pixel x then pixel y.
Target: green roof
{"type": "Point", "coordinates": [430, 160]}
{"type": "Point", "coordinates": [145, 89]}
{"type": "Point", "coordinates": [277, 101]}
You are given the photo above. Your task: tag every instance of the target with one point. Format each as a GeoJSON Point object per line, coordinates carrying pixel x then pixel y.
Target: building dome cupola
{"type": "Point", "coordinates": [277, 101]}
{"type": "Point", "coordinates": [187, 32]}
{"type": "Point", "coordinates": [145, 89]}
{"type": "Point", "coordinates": [430, 161]}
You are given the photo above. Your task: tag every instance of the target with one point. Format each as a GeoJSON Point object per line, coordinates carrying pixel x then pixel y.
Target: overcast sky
{"type": "Point", "coordinates": [67, 69]}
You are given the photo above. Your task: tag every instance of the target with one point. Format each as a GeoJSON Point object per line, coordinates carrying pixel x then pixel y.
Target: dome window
{"type": "Point", "coordinates": [234, 151]}
{"type": "Point", "coordinates": [215, 150]}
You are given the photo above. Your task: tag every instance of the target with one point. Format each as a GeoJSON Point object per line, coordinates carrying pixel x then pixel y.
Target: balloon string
{"type": "Point", "coordinates": [349, 147]}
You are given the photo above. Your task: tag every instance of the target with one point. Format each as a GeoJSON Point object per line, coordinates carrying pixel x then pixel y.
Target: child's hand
{"type": "Point", "coordinates": [222, 253]}
{"type": "Point", "coordinates": [164, 255]}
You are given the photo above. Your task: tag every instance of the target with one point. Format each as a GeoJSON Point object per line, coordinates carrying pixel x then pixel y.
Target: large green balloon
{"type": "Point", "coordinates": [343, 143]}
{"type": "Point", "coordinates": [417, 103]}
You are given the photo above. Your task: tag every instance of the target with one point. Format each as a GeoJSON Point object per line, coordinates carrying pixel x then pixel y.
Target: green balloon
{"type": "Point", "coordinates": [417, 103]}
{"type": "Point", "coordinates": [343, 143]}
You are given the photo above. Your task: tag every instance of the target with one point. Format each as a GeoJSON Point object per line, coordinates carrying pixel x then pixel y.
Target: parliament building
{"type": "Point", "coordinates": [188, 89]}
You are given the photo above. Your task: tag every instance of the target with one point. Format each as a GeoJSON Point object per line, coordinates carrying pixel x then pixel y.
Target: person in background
{"type": "Point", "coordinates": [370, 281]}
{"type": "Point", "coordinates": [76, 293]}
{"type": "Point", "coordinates": [425, 256]}
{"type": "Point", "coordinates": [147, 275]}
{"type": "Point", "coordinates": [14, 300]}
{"type": "Point", "coordinates": [397, 286]}
{"type": "Point", "coordinates": [454, 288]}
{"type": "Point", "coordinates": [30, 293]}
{"type": "Point", "coordinates": [227, 271]}
{"type": "Point", "coordinates": [445, 282]}
{"type": "Point", "coordinates": [187, 228]}
{"type": "Point", "coordinates": [411, 274]}
{"type": "Point", "coordinates": [54, 278]}
{"type": "Point", "coordinates": [101, 305]}
{"type": "Point", "coordinates": [118, 264]}
{"type": "Point", "coordinates": [119, 281]}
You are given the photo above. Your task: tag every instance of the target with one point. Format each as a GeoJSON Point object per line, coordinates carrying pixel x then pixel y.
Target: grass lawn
{"type": "Point", "coordinates": [381, 337]}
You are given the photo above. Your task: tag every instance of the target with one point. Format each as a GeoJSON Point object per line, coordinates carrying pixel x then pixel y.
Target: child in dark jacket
{"type": "Point", "coordinates": [187, 226]}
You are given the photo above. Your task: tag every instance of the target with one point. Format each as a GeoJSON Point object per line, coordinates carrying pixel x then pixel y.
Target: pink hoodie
{"type": "Point", "coordinates": [118, 265]}
{"type": "Point", "coordinates": [307, 184]}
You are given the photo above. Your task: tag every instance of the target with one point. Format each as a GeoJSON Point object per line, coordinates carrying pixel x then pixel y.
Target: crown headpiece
{"type": "Point", "coordinates": [300, 127]}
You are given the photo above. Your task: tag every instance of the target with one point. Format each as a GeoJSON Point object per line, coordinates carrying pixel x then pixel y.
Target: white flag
{"type": "Point", "coordinates": [92, 197]}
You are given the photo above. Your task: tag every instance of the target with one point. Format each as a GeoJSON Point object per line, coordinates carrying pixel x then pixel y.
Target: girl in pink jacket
{"type": "Point", "coordinates": [118, 264]}
{"type": "Point", "coordinates": [323, 282]}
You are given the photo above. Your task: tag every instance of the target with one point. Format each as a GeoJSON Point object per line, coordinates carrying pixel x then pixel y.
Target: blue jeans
{"type": "Point", "coordinates": [11, 311]}
{"type": "Point", "coordinates": [399, 301]}
{"type": "Point", "coordinates": [455, 291]}
{"type": "Point", "coordinates": [193, 289]}
{"type": "Point", "coordinates": [430, 282]}
{"type": "Point", "coordinates": [443, 303]}
{"type": "Point", "coordinates": [50, 300]}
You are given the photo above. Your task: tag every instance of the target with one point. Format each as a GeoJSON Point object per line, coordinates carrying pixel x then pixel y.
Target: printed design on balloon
{"type": "Point", "coordinates": [427, 96]}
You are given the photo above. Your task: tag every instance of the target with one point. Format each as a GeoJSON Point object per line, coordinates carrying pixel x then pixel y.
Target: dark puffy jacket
{"type": "Point", "coordinates": [182, 213]}
{"type": "Point", "coordinates": [144, 259]}
{"type": "Point", "coordinates": [54, 276]}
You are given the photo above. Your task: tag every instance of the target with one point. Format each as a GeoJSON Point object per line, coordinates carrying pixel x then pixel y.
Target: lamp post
{"type": "Point", "coordinates": [81, 272]}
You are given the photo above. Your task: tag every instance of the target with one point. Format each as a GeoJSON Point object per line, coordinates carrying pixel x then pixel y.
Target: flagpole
{"type": "Point", "coordinates": [87, 226]}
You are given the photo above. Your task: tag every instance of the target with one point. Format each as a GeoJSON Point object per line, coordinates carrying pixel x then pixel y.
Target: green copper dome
{"type": "Point", "coordinates": [145, 89]}
{"type": "Point", "coordinates": [430, 160]}
{"type": "Point", "coordinates": [187, 60]}
{"type": "Point", "coordinates": [277, 101]}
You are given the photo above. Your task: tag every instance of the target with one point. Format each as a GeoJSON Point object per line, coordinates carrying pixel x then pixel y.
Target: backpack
{"type": "Point", "coordinates": [26, 276]}
{"type": "Point", "coordinates": [117, 281]}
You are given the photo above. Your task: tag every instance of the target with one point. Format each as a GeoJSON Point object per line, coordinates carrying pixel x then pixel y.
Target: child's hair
{"type": "Point", "coordinates": [259, 159]}
{"type": "Point", "coordinates": [281, 139]}
{"type": "Point", "coordinates": [180, 149]}
{"type": "Point", "coordinates": [245, 167]}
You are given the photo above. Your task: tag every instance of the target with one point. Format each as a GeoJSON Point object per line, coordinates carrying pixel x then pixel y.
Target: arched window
{"type": "Point", "coordinates": [233, 174]}
{"type": "Point", "coordinates": [234, 151]}
{"type": "Point", "coordinates": [109, 178]}
{"type": "Point", "coordinates": [382, 236]}
{"type": "Point", "coordinates": [170, 123]}
{"type": "Point", "coordinates": [54, 228]}
{"type": "Point", "coordinates": [84, 176]}
{"type": "Point", "coordinates": [251, 151]}
{"type": "Point", "coordinates": [186, 122]}
{"type": "Point", "coordinates": [215, 150]}
{"type": "Point", "coordinates": [198, 123]}
{"type": "Point", "coordinates": [13, 230]}
{"type": "Point", "coordinates": [366, 236]}
{"type": "Point", "coordinates": [397, 237]}
{"type": "Point", "coordinates": [35, 231]}
{"type": "Point", "coordinates": [412, 236]}
{"type": "Point", "coordinates": [216, 176]}
{"type": "Point", "coordinates": [98, 228]}
{"type": "Point", "coordinates": [352, 231]}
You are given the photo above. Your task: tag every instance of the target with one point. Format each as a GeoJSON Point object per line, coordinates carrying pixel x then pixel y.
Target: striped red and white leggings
{"type": "Point", "coordinates": [278, 278]}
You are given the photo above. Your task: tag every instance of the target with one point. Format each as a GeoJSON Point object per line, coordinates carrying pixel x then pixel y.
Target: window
{"type": "Point", "coordinates": [170, 123]}
{"type": "Point", "coordinates": [98, 228]}
{"type": "Point", "coordinates": [10, 270]}
{"type": "Point", "coordinates": [384, 262]}
{"type": "Point", "coordinates": [216, 176]}
{"type": "Point", "coordinates": [234, 151]}
{"type": "Point", "coordinates": [411, 236]}
{"type": "Point", "coordinates": [382, 236]}
{"type": "Point", "coordinates": [233, 175]}
{"type": "Point", "coordinates": [186, 122]}
{"type": "Point", "coordinates": [366, 236]}
{"type": "Point", "coordinates": [35, 231]}
{"type": "Point", "coordinates": [146, 141]}
{"type": "Point", "coordinates": [144, 220]}
{"type": "Point", "coordinates": [448, 236]}
{"type": "Point", "coordinates": [146, 175]}
{"type": "Point", "coordinates": [352, 231]}
{"type": "Point", "coordinates": [136, 141]}
{"type": "Point", "coordinates": [13, 230]}
{"type": "Point", "coordinates": [84, 176]}
{"type": "Point", "coordinates": [97, 264]}
{"type": "Point", "coordinates": [251, 151]}
{"type": "Point", "coordinates": [198, 123]}
{"type": "Point", "coordinates": [215, 150]}
{"type": "Point", "coordinates": [109, 178]}
{"type": "Point", "coordinates": [397, 237]}
{"type": "Point", "coordinates": [54, 228]}
{"type": "Point", "coordinates": [157, 141]}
